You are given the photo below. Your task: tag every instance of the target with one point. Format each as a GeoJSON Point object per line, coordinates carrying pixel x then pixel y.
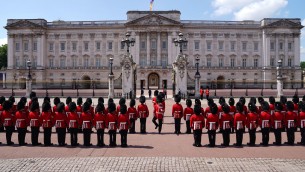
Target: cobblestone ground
{"type": "Point", "coordinates": [151, 164]}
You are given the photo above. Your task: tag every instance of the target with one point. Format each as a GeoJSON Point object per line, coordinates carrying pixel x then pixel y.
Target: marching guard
{"type": "Point", "coordinates": [177, 113]}
{"type": "Point", "coordinates": [212, 123]}
{"type": "Point", "coordinates": [47, 118]}
{"type": "Point", "coordinates": [197, 123]}
{"type": "Point", "coordinates": [86, 120]}
{"type": "Point", "coordinates": [73, 121]}
{"type": "Point", "coordinates": [265, 121]}
{"type": "Point", "coordinates": [188, 112]}
{"type": "Point", "coordinates": [154, 102]}
{"type": "Point", "coordinates": [35, 123]}
{"type": "Point", "coordinates": [143, 114]}
{"type": "Point", "coordinates": [252, 123]}
{"type": "Point", "coordinates": [112, 124]}
{"type": "Point", "coordinates": [133, 116]}
{"type": "Point", "coordinates": [239, 123]}
{"type": "Point", "coordinates": [302, 122]}
{"type": "Point", "coordinates": [159, 110]}
{"type": "Point", "coordinates": [99, 122]}
{"type": "Point", "coordinates": [277, 123]}
{"type": "Point", "coordinates": [61, 124]}
{"type": "Point", "coordinates": [56, 101]}
{"type": "Point", "coordinates": [225, 124]}
{"type": "Point", "coordinates": [232, 112]}
{"type": "Point", "coordinates": [21, 122]}
{"type": "Point", "coordinates": [123, 124]}
{"type": "Point", "coordinates": [290, 123]}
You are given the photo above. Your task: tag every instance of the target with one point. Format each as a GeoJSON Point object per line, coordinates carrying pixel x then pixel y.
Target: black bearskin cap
{"type": "Point", "coordinates": [222, 100]}
{"type": "Point", "coordinates": [20, 105]}
{"type": "Point", "coordinates": [60, 107]}
{"type": "Point", "coordinates": [271, 100]}
{"type": "Point", "coordinates": [122, 101]}
{"type": "Point", "coordinates": [46, 99]}
{"type": "Point", "coordinates": [6, 105]}
{"type": "Point", "coordinates": [197, 102]}
{"type": "Point", "coordinates": [2, 99]}
{"type": "Point", "coordinates": [46, 107]}
{"type": "Point", "coordinates": [225, 108]}
{"type": "Point", "coordinates": [159, 99]}
{"type": "Point", "coordinates": [295, 99]}
{"type": "Point", "coordinates": [11, 99]}
{"type": "Point", "coordinates": [252, 107]}
{"type": "Point", "coordinates": [111, 107]}
{"type": "Point", "coordinates": [72, 106]}
{"type": "Point", "coordinates": [242, 100]}
{"type": "Point", "coordinates": [56, 101]}
{"type": "Point", "coordinates": [34, 106]}
{"type": "Point", "coordinates": [156, 92]}
{"type": "Point", "coordinates": [302, 106]}
{"type": "Point", "coordinates": [290, 106]}
{"type": "Point", "coordinates": [177, 98]}
{"type": "Point", "coordinates": [278, 106]}
{"type": "Point", "coordinates": [23, 99]}
{"type": "Point", "coordinates": [260, 100]}
{"type": "Point", "coordinates": [86, 106]}
{"type": "Point", "coordinates": [79, 101]}
{"type": "Point", "coordinates": [210, 101]}
{"type": "Point", "coordinates": [68, 100]}
{"type": "Point", "coordinates": [265, 106]}
{"type": "Point", "coordinates": [231, 101]}
{"type": "Point", "coordinates": [162, 94]}
{"type": "Point", "coordinates": [239, 107]}
{"type": "Point", "coordinates": [188, 102]}
{"type": "Point", "coordinates": [89, 100]}
{"type": "Point", "coordinates": [197, 109]}
{"type": "Point", "coordinates": [32, 94]}
{"type": "Point", "coordinates": [283, 99]}
{"type": "Point", "coordinates": [110, 100]}
{"type": "Point", "coordinates": [100, 107]}
{"type": "Point", "coordinates": [214, 108]}
{"type": "Point", "coordinates": [123, 109]}
{"type": "Point", "coordinates": [100, 100]}
{"type": "Point", "coordinates": [142, 99]}
{"type": "Point", "coordinates": [34, 99]}
{"type": "Point", "coordinates": [303, 99]}
{"type": "Point", "coordinates": [132, 102]}
{"type": "Point", "coordinates": [252, 100]}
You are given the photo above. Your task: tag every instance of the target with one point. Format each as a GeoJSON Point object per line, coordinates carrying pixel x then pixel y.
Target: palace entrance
{"type": "Point", "coordinates": [153, 80]}
{"type": "Point", "coordinates": [220, 82]}
{"type": "Point", "coordinates": [85, 82]}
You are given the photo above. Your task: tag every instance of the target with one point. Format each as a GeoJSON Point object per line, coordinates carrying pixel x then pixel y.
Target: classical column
{"type": "Point", "coordinates": [279, 79]}
{"type": "Point", "coordinates": [10, 51]}
{"type": "Point", "coordinates": [296, 47]}
{"type": "Point", "coordinates": [169, 48]}
{"type": "Point", "coordinates": [148, 49]}
{"type": "Point", "coordinates": [111, 86]}
{"type": "Point", "coordinates": [3, 80]}
{"type": "Point", "coordinates": [159, 49]}
{"type": "Point", "coordinates": [137, 48]}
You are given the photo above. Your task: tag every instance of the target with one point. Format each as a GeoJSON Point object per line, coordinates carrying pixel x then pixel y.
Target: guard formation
{"type": "Point", "coordinates": [74, 118]}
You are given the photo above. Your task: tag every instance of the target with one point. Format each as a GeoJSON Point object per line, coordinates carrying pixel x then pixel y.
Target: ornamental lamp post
{"type": "Point", "coordinates": [29, 79]}
{"type": "Point", "coordinates": [181, 42]}
{"type": "Point", "coordinates": [111, 77]}
{"type": "Point", "coordinates": [129, 42]}
{"type": "Point", "coordinates": [197, 79]}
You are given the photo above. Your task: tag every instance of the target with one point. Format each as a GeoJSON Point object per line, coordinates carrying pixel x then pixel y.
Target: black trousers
{"type": "Point", "coordinates": [61, 135]}
{"type": "Point", "coordinates": [303, 135]}
{"type": "Point", "coordinates": [239, 137]}
{"type": "Point", "coordinates": [73, 134]}
{"type": "Point", "coordinates": [123, 137]}
{"type": "Point", "coordinates": [177, 125]}
{"type": "Point", "coordinates": [197, 137]}
{"type": "Point", "coordinates": [265, 136]}
{"type": "Point", "coordinates": [100, 137]}
{"type": "Point", "coordinates": [154, 120]}
{"type": "Point", "coordinates": [87, 136]}
{"type": "Point", "coordinates": [143, 125]}
{"type": "Point", "coordinates": [290, 135]}
{"type": "Point", "coordinates": [112, 137]}
{"type": "Point", "coordinates": [226, 136]}
{"type": "Point", "coordinates": [160, 125]}
{"type": "Point", "coordinates": [252, 136]}
{"type": "Point", "coordinates": [278, 136]}
{"type": "Point", "coordinates": [201, 96]}
{"type": "Point", "coordinates": [34, 136]}
{"type": "Point", "coordinates": [132, 125]}
{"type": "Point", "coordinates": [47, 136]}
{"type": "Point", "coordinates": [188, 127]}
{"type": "Point", "coordinates": [21, 135]}
{"type": "Point", "coordinates": [212, 137]}
{"type": "Point", "coordinates": [8, 133]}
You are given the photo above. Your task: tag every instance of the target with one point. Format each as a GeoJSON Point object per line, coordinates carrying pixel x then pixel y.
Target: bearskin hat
{"type": "Point", "coordinates": [56, 101]}
{"type": "Point", "coordinates": [46, 107]}
{"type": "Point", "coordinates": [260, 100]}
{"type": "Point", "coordinates": [122, 101]}
{"type": "Point", "coordinates": [60, 107]}
{"type": "Point", "coordinates": [295, 99]}
{"type": "Point", "coordinates": [197, 102]}
{"type": "Point", "coordinates": [23, 99]}
{"type": "Point", "coordinates": [225, 108]}
{"type": "Point", "coordinates": [32, 94]}
{"type": "Point", "coordinates": [159, 98]}
{"type": "Point", "coordinates": [6, 105]}
{"type": "Point", "coordinates": [242, 100]}
{"type": "Point", "coordinates": [86, 106]}
{"type": "Point", "coordinates": [239, 107]}
{"type": "Point", "coordinates": [2, 99]}
{"type": "Point", "coordinates": [302, 106]}
{"type": "Point", "coordinates": [72, 106]}
{"type": "Point", "coordinates": [252, 100]}
{"type": "Point", "coordinates": [46, 99]}
{"type": "Point", "coordinates": [283, 99]}
{"type": "Point", "coordinates": [11, 99]}
{"type": "Point", "coordinates": [89, 100]}
{"type": "Point", "coordinates": [20, 105]}
{"type": "Point", "coordinates": [303, 99]}
{"type": "Point", "coordinates": [111, 107]}
{"type": "Point", "coordinates": [142, 99]}
{"type": "Point", "coordinates": [214, 108]}
{"type": "Point", "coordinates": [100, 100]}
{"type": "Point", "coordinates": [265, 106]}
{"type": "Point", "coordinates": [290, 106]}
{"type": "Point", "coordinates": [68, 100]}
{"type": "Point", "coordinates": [278, 106]}
{"type": "Point", "coordinates": [34, 99]}
{"type": "Point", "coordinates": [79, 101]}
{"type": "Point", "coordinates": [188, 102]}
{"type": "Point", "coordinates": [252, 107]}
{"type": "Point", "coordinates": [110, 100]}
{"type": "Point", "coordinates": [123, 109]}
{"type": "Point", "coordinates": [222, 100]}
{"type": "Point", "coordinates": [132, 103]}
{"type": "Point", "coordinates": [210, 101]}
{"type": "Point", "coordinates": [231, 101]}
{"type": "Point", "coordinates": [177, 98]}
{"type": "Point", "coordinates": [156, 92]}
{"type": "Point", "coordinates": [197, 109]}
{"type": "Point", "coordinates": [34, 106]}
{"type": "Point", "coordinates": [271, 100]}
{"type": "Point", "coordinates": [100, 107]}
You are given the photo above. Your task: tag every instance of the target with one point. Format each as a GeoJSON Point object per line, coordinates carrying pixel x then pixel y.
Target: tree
{"type": "Point", "coordinates": [302, 65]}
{"type": "Point", "coordinates": [3, 56]}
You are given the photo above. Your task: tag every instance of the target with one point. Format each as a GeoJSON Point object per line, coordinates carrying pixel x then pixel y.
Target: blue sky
{"type": "Point", "coordinates": [116, 10]}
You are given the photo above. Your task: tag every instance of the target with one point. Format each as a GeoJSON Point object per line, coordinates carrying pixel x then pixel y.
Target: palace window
{"type": "Point", "coordinates": [98, 46]}
{"type": "Point", "coordinates": [26, 46]}
{"type": "Point", "coordinates": [164, 45]}
{"type": "Point", "coordinates": [74, 62]}
{"type": "Point", "coordinates": [232, 61]}
{"type": "Point", "coordinates": [244, 46]}
{"type": "Point", "coordinates": [62, 46]}
{"type": "Point", "coordinates": [17, 62]}
{"type": "Point", "coordinates": [143, 61]}
{"type": "Point", "coordinates": [209, 45]}
{"type": "Point", "coordinates": [153, 60]}
{"type": "Point", "coordinates": [74, 46]}
{"type": "Point", "coordinates": [97, 62]}
{"type": "Point", "coordinates": [51, 62]}
{"type": "Point", "coordinates": [86, 46]}
{"type": "Point", "coordinates": [255, 62]}
{"type": "Point", "coordinates": [272, 61]}
{"type": "Point", "coordinates": [281, 46]}
{"type": "Point", "coordinates": [197, 45]}
{"type": "Point", "coordinates": [289, 46]}
{"type": "Point", "coordinates": [255, 46]}
{"type": "Point", "coordinates": [153, 44]}
{"type": "Point", "coordinates": [109, 46]}
{"type": "Point", "coordinates": [244, 62]}
{"type": "Point", "coordinates": [209, 62]}
{"type": "Point", "coordinates": [86, 62]}
{"type": "Point", "coordinates": [220, 45]}
{"type": "Point", "coordinates": [233, 46]}
{"type": "Point", "coordinates": [164, 60]}
{"type": "Point", "coordinates": [35, 46]}
{"type": "Point", "coordinates": [51, 46]}
{"type": "Point", "coordinates": [143, 45]}
{"type": "Point", "coordinates": [62, 62]}
{"type": "Point", "coordinates": [17, 46]}
{"type": "Point", "coordinates": [289, 62]}
{"type": "Point", "coordinates": [272, 48]}
{"type": "Point", "coordinates": [221, 62]}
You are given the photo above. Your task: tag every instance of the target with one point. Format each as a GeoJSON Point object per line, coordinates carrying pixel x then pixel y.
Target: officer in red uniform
{"type": "Point", "coordinates": [79, 111]}
{"type": "Point", "coordinates": [225, 124]}
{"type": "Point", "coordinates": [21, 122]}
{"type": "Point", "coordinates": [13, 105]}
{"type": "Point", "coordinates": [290, 123]}
{"type": "Point", "coordinates": [159, 111]}
{"type": "Point", "coordinates": [201, 91]}
{"type": "Point", "coordinates": [221, 102]}
{"type": "Point", "coordinates": [207, 92]}
{"type": "Point", "coordinates": [56, 101]}
{"type": "Point", "coordinates": [61, 123]}
{"type": "Point", "coordinates": [99, 123]}
{"type": "Point", "coordinates": [47, 119]}
{"type": "Point", "coordinates": [91, 108]}
{"type": "Point", "coordinates": [8, 121]}
{"type": "Point", "coordinates": [212, 123]}
{"type": "Point", "coordinates": [32, 95]}
{"type": "Point", "coordinates": [154, 101]}
{"type": "Point", "coordinates": [197, 123]}
{"type": "Point", "coordinates": [122, 101]}
{"type": "Point", "coordinates": [177, 113]}
{"type": "Point", "coordinates": [272, 105]}
{"type": "Point", "coordinates": [240, 120]}
{"type": "Point", "coordinates": [112, 124]}
{"type": "Point", "coordinates": [74, 122]}
{"type": "Point", "coordinates": [207, 109]}
{"type": "Point", "coordinates": [277, 123]}
{"type": "Point", "coordinates": [133, 116]}
{"type": "Point", "coordinates": [242, 100]}
{"type": "Point", "coordinates": [123, 124]}
{"type": "Point", "coordinates": [188, 112]}
{"type": "Point", "coordinates": [302, 122]}
{"type": "Point", "coordinates": [252, 123]}
{"type": "Point", "coordinates": [86, 119]}
{"type": "Point", "coordinates": [35, 122]}
{"type": "Point", "coordinates": [143, 114]}
{"type": "Point", "coordinates": [198, 102]}
{"type": "Point", "coordinates": [68, 101]}
{"type": "Point", "coordinates": [232, 112]}
{"type": "Point", "coordinates": [265, 123]}
{"type": "Point", "coordinates": [2, 99]}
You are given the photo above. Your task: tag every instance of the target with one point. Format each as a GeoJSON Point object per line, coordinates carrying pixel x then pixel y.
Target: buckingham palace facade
{"type": "Point", "coordinates": [70, 53]}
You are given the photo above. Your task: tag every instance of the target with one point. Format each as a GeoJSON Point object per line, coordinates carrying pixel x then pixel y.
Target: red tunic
{"type": "Point", "coordinates": [291, 116]}
{"type": "Point", "coordinates": [7, 119]}
{"type": "Point", "coordinates": [111, 121]}
{"type": "Point", "coordinates": [212, 119]}
{"type": "Point", "coordinates": [54, 108]}
{"type": "Point", "coordinates": [265, 119]}
{"type": "Point", "coordinates": [194, 119]}
{"type": "Point", "coordinates": [177, 110]}
{"type": "Point", "coordinates": [225, 119]}
{"type": "Point", "coordinates": [34, 119]}
{"type": "Point", "coordinates": [252, 120]}
{"type": "Point", "coordinates": [73, 120]}
{"type": "Point", "coordinates": [302, 119]}
{"type": "Point", "coordinates": [188, 111]}
{"type": "Point", "coordinates": [207, 111]}
{"type": "Point", "coordinates": [240, 120]}
{"type": "Point", "coordinates": [143, 111]}
{"type": "Point", "coordinates": [22, 120]}
{"type": "Point", "coordinates": [159, 111]}
{"type": "Point", "coordinates": [154, 100]}
{"type": "Point", "coordinates": [47, 119]}
{"type": "Point", "coordinates": [61, 120]}
{"type": "Point", "coordinates": [277, 120]}
{"type": "Point", "coordinates": [99, 120]}
{"type": "Point", "coordinates": [123, 122]}
{"type": "Point", "coordinates": [133, 114]}
{"type": "Point", "coordinates": [86, 120]}
{"type": "Point", "coordinates": [207, 92]}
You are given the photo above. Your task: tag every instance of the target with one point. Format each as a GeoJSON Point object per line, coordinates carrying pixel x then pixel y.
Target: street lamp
{"type": "Point", "coordinates": [197, 77]}
{"type": "Point", "coordinates": [61, 85]}
{"type": "Point", "coordinates": [93, 84]}
{"type": "Point", "coordinates": [15, 76]}
{"type": "Point", "coordinates": [111, 62]}
{"type": "Point", "coordinates": [29, 79]}
{"type": "Point", "coordinates": [180, 41]}
{"type": "Point", "coordinates": [129, 42]}
{"type": "Point", "coordinates": [111, 77]}
{"type": "Point", "coordinates": [29, 65]}
{"type": "Point", "coordinates": [47, 93]}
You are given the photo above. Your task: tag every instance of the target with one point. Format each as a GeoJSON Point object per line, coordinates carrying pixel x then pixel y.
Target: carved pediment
{"type": "Point", "coordinates": [23, 24]}
{"type": "Point", "coordinates": [284, 23]}
{"type": "Point", "coordinates": [153, 20]}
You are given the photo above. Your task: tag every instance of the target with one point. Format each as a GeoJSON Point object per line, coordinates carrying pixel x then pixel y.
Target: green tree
{"type": "Point", "coordinates": [3, 56]}
{"type": "Point", "coordinates": [302, 65]}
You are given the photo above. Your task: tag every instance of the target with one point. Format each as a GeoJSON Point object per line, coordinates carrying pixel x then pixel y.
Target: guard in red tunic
{"type": "Point", "coordinates": [265, 123]}
{"type": "Point", "coordinates": [188, 112]}
{"type": "Point", "coordinates": [32, 95]}
{"type": "Point", "coordinates": [122, 101]}
{"type": "Point", "coordinates": [225, 124]}
{"type": "Point", "coordinates": [290, 123]}
{"type": "Point", "coordinates": [177, 113]}
{"type": "Point", "coordinates": [207, 109]}
{"type": "Point", "coordinates": [89, 100]}
{"type": "Point", "coordinates": [272, 105]}
{"type": "Point", "coordinates": [74, 122]}
{"type": "Point", "coordinates": [240, 121]}
{"type": "Point", "coordinates": [159, 111]}
{"type": "Point", "coordinates": [143, 113]}
{"type": "Point", "coordinates": [197, 123]}
{"type": "Point", "coordinates": [56, 101]}
{"type": "Point", "coordinates": [302, 122]}
{"type": "Point", "coordinates": [47, 119]}
{"type": "Point", "coordinates": [277, 123]}
{"type": "Point", "coordinates": [252, 123]}
{"type": "Point", "coordinates": [198, 102]}
{"type": "Point", "coordinates": [112, 124]}
{"type": "Point", "coordinates": [8, 121]}
{"type": "Point", "coordinates": [2, 99]}
{"type": "Point", "coordinates": [232, 112]}
{"type": "Point", "coordinates": [86, 120]}
{"type": "Point", "coordinates": [99, 123]}
{"type": "Point", "coordinates": [154, 101]}
{"type": "Point", "coordinates": [133, 116]}
{"type": "Point", "coordinates": [21, 122]}
{"type": "Point", "coordinates": [242, 100]}
{"type": "Point", "coordinates": [207, 92]}
{"type": "Point", "coordinates": [295, 100]}
{"type": "Point", "coordinates": [68, 101]}
{"type": "Point", "coordinates": [221, 102]}
{"type": "Point", "coordinates": [79, 111]}
{"type": "Point", "coordinates": [13, 105]}
{"type": "Point", "coordinates": [61, 122]}
{"type": "Point", "coordinates": [35, 122]}
{"type": "Point", "coordinates": [212, 123]}
{"type": "Point", "coordinates": [123, 124]}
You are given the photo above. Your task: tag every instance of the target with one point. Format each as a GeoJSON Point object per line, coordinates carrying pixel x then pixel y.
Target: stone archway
{"type": "Point", "coordinates": [220, 82]}
{"type": "Point", "coordinates": [85, 82]}
{"type": "Point", "coordinates": [153, 80]}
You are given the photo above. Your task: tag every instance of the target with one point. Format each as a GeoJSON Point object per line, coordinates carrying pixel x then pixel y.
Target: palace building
{"type": "Point", "coordinates": [77, 53]}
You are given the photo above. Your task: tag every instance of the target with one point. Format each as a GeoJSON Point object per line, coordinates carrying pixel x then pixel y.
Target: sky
{"type": "Point", "coordinates": [89, 10]}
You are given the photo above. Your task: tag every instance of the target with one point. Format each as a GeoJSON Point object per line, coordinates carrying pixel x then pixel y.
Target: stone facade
{"type": "Point", "coordinates": [71, 53]}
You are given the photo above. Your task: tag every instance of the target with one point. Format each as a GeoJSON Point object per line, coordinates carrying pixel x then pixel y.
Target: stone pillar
{"type": "Point", "coordinates": [10, 51]}
{"type": "Point", "coordinates": [3, 80]}
{"type": "Point", "coordinates": [111, 86]}
{"type": "Point", "coordinates": [296, 47]}
{"type": "Point", "coordinates": [197, 86]}
{"type": "Point", "coordinates": [148, 49]}
{"type": "Point", "coordinates": [28, 87]}
{"type": "Point", "coordinates": [180, 67]}
{"type": "Point", "coordinates": [159, 49]}
{"type": "Point", "coordinates": [128, 67]}
{"type": "Point", "coordinates": [279, 78]}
